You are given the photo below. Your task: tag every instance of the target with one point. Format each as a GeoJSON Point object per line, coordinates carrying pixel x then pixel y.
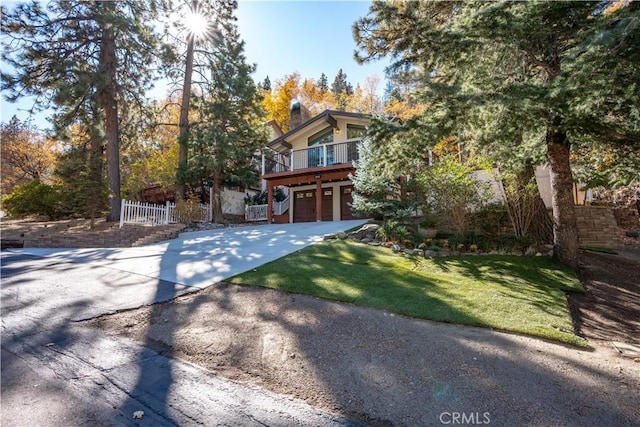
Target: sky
{"type": "Point", "coordinates": [281, 37]}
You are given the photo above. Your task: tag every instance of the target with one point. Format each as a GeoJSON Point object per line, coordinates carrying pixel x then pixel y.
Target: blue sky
{"type": "Point", "coordinates": [310, 37]}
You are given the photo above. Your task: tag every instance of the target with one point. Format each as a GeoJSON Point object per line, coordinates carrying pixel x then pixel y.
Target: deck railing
{"type": "Point", "coordinates": [312, 157]}
{"type": "Point", "coordinates": [255, 212]}
{"type": "Point", "coordinates": [259, 212]}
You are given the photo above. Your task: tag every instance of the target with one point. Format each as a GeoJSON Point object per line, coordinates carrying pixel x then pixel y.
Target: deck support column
{"type": "Point", "coordinates": [318, 199]}
{"type": "Point", "coordinates": [269, 202]}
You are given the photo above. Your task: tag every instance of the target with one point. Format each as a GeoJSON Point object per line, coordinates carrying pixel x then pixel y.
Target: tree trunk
{"type": "Point", "coordinates": [94, 202]}
{"type": "Point", "coordinates": [183, 136]}
{"type": "Point", "coordinates": [217, 200]}
{"type": "Point", "coordinates": [565, 231]}
{"type": "Point", "coordinates": [541, 227]}
{"type": "Point", "coordinates": [109, 104]}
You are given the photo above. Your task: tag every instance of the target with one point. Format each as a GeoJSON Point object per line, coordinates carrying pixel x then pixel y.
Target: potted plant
{"type": "Point", "coordinates": [428, 228]}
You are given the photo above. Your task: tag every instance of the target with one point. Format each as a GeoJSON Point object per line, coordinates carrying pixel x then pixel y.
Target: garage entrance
{"type": "Point", "coordinates": [304, 205]}
{"type": "Point", "coordinates": [345, 200]}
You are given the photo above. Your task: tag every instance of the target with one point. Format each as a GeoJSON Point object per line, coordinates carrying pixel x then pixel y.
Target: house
{"type": "Point", "coordinates": [312, 162]}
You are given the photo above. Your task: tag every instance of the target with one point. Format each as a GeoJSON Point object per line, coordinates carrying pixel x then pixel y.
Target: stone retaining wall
{"type": "Point", "coordinates": [627, 218]}
{"type": "Point", "coordinates": [597, 226]}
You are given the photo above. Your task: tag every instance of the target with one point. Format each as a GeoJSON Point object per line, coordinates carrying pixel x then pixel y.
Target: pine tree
{"type": "Point", "coordinates": [507, 76]}
{"type": "Point", "coordinates": [229, 131]}
{"type": "Point", "coordinates": [266, 84]}
{"type": "Point", "coordinates": [89, 60]}
{"type": "Point", "coordinates": [323, 83]}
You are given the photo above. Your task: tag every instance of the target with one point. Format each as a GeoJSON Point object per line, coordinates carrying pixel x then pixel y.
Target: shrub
{"type": "Point", "coordinates": [393, 231]}
{"type": "Point", "coordinates": [33, 198]}
{"type": "Point", "coordinates": [262, 198]}
{"type": "Point", "coordinates": [188, 211]}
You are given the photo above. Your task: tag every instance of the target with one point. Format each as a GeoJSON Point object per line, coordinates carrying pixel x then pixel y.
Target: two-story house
{"type": "Point", "coordinates": [313, 162]}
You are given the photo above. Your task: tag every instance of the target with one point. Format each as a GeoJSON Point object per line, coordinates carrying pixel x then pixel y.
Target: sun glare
{"type": "Point", "coordinates": [197, 24]}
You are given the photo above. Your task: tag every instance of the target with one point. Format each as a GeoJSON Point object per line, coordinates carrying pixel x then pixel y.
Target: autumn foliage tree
{"type": "Point", "coordinates": [90, 60]}
{"type": "Point", "coordinates": [27, 155]}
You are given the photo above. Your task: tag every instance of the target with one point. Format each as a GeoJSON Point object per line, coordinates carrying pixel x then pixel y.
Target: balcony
{"type": "Point", "coordinates": [312, 157]}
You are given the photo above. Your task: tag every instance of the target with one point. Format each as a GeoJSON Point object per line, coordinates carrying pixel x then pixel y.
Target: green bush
{"type": "Point", "coordinates": [33, 198]}
{"type": "Point", "coordinates": [262, 197]}
{"type": "Point", "coordinates": [393, 231]}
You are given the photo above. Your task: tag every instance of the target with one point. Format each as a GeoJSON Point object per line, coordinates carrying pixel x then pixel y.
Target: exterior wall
{"type": "Point", "coordinates": [336, 196]}
{"type": "Point", "coordinates": [543, 178]}
{"type": "Point", "coordinates": [233, 201]}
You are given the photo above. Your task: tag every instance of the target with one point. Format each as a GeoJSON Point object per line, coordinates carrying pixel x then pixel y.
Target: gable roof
{"type": "Point", "coordinates": [326, 115]}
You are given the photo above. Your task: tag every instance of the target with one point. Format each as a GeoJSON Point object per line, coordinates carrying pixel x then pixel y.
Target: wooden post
{"type": "Point", "coordinates": [269, 202]}
{"type": "Point", "coordinates": [318, 199]}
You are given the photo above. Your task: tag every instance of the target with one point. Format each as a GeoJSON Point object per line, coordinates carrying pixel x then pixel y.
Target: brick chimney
{"type": "Point", "coordinates": [298, 114]}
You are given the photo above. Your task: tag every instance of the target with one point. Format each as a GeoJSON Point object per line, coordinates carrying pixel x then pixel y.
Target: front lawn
{"type": "Point", "coordinates": [510, 293]}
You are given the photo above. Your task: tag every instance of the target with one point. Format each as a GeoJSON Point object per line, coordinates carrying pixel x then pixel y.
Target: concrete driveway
{"type": "Point", "coordinates": [190, 262]}
{"type": "Point", "coordinates": [57, 371]}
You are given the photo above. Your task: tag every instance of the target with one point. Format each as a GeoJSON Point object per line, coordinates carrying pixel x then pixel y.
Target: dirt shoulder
{"type": "Point", "coordinates": [383, 369]}
{"type": "Point", "coordinates": [610, 308]}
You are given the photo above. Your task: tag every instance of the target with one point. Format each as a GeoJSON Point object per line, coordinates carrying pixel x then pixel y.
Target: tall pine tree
{"type": "Point", "coordinates": [507, 74]}
{"type": "Point", "coordinates": [89, 60]}
{"type": "Point", "coordinates": [229, 130]}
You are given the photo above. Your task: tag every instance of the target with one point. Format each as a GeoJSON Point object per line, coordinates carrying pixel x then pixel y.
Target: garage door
{"type": "Point", "coordinates": [345, 201]}
{"type": "Point", "coordinates": [304, 206]}
{"type": "Point", "coordinates": [327, 204]}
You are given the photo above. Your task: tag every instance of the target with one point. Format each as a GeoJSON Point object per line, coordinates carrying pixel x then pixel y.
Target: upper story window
{"type": "Point", "coordinates": [325, 136]}
{"type": "Point", "coordinates": [356, 131]}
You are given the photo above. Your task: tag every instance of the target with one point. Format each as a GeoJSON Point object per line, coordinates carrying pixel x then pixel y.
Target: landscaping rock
{"type": "Point", "coordinates": [396, 248]}
{"type": "Point", "coordinates": [341, 235]}
{"type": "Point", "coordinates": [408, 251]}
{"type": "Point", "coordinates": [430, 253]}
{"type": "Point", "coordinates": [374, 244]}
{"type": "Point", "coordinates": [329, 237]}
{"type": "Point", "coordinates": [418, 252]}
{"type": "Point", "coordinates": [365, 240]}
{"type": "Point", "coordinates": [366, 231]}
{"type": "Point", "coordinates": [530, 251]}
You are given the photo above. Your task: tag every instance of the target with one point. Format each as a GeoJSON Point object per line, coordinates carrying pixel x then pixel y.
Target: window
{"type": "Point", "coordinates": [325, 136]}
{"type": "Point", "coordinates": [355, 131]}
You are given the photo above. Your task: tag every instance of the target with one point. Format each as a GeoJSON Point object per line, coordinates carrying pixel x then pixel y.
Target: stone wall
{"type": "Point", "coordinates": [597, 226]}
{"type": "Point", "coordinates": [627, 218]}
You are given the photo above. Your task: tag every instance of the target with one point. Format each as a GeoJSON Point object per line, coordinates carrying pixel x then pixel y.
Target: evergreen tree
{"type": "Point", "coordinates": [323, 83]}
{"type": "Point", "coordinates": [229, 131]}
{"type": "Point", "coordinates": [507, 76]}
{"type": "Point", "coordinates": [340, 83]}
{"type": "Point", "coordinates": [89, 60]}
{"type": "Point", "coordinates": [266, 84]}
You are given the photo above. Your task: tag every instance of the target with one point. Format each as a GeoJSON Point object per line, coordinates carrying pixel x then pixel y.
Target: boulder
{"type": "Point", "coordinates": [366, 231]}
{"type": "Point", "coordinates": [341, 235]}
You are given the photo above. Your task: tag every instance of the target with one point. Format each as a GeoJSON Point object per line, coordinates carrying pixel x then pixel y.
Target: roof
{"type": "Point", "coordinates": [326, 115]}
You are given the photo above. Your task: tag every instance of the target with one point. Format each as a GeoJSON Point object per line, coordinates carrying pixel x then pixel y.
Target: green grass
{"type": "Point", "coordinates": [510, 293]}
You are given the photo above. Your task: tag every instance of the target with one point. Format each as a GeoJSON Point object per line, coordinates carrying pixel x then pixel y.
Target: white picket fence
{"type": "Point", "coordinates": [147, 214]}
